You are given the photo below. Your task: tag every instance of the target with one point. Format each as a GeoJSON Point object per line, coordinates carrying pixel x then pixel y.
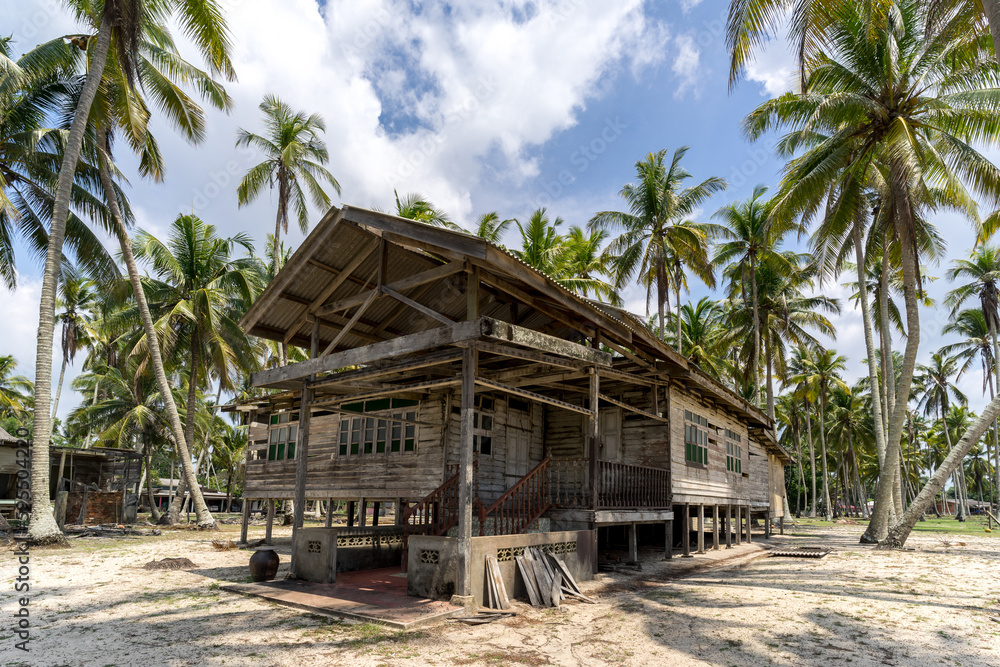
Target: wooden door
{"type": "Point", "coordinates": [611, 441]}
{"type": "Point", "coordinates": [518, 445]}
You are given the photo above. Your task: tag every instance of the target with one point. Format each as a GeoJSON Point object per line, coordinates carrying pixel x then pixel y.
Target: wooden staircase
{"type": "Point", "coordinates": [521, 505]}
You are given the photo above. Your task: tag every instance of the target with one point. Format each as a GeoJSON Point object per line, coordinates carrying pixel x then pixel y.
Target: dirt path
{"type": "Point", "coordinates": [94, 605]}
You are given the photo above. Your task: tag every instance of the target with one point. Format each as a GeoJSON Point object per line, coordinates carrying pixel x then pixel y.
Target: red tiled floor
{"type": "Point", "coordinates": [377, 595]}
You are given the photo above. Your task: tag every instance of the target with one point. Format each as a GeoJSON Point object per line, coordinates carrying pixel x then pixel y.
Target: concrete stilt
{"type": "Point", "coordinates": [715, 527]}
{"type": "Point", "coordinates": [686, 532]}
{"type": "Point", "coordinates": [701, 529]}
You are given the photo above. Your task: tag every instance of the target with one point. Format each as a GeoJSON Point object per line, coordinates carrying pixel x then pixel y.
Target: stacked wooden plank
{"type": "Point", "coordinates": [496, 592]}
{"type": "Point", "coordinates": [547, 579]}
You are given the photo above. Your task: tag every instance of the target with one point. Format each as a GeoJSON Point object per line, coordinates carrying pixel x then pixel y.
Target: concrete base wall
{"type": "Point", "coordinates": [432, 563]}
{"type": "Point", "coordinates": [320, 553]}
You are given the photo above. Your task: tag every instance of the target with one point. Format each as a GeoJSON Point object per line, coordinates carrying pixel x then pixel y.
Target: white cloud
{"type": "Point", "coordinates": [687, 66]}
{"type": "Point", "coordinates": [774, 69]}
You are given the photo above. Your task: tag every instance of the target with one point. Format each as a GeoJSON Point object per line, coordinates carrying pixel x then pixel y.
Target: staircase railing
{"type": "Point", "coordinates": [521, 504]}
{"type": "Point", "coordinates": [569, 484]}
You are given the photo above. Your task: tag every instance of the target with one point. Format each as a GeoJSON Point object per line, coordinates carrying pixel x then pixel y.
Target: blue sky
{"type": "Point", "coordinates": [478, 106]}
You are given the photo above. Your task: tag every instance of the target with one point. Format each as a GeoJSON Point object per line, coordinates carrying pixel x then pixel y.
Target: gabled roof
{"type": "Point", "coordinates": [331, 279]}
{"type": "Point", "coordinates": [6, 437]}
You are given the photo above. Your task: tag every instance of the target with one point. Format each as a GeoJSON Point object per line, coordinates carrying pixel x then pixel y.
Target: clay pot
{"type": "Point", "coordinates": [264, 564]}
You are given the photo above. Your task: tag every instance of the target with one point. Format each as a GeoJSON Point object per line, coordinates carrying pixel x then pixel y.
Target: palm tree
{"type": "Point", "coordinates": [887, 108]}
{"type": "Point", "coordinates": [703, 336]}
{"type": "Point", "coordinates": [657, 239]}
{"type": "Point", "coordinates": [978, 341]}
{"type": "Point", "coordinates": [799, 366]}
{"type": "Point", "coordinates": [752, 237]}
{"type": "Point", "coordinates": [193, 293]}
{"type": "Point", "coordinates": [821, 375]}
{"type": "Point", "coordinates": [76, 296]}
{"type": "Point", "coordinates": [415, 207]}
{"type": "Point", "coordinates": [294, 156]}
{"type": "Point", "coordinates": [585, 264]}
{"type": "Point", "coordinates": [16, 391]}
{"type": "Point", "coordinates": [31, 89]}
{"type": "Point", "coordinates": [124, 27]}
{"type": "Point", "coordinates": [934, 387]}
{"type": "Point", "coordinates": [541, 244]}
{"type": "Point", "coordinates": [490, 227]}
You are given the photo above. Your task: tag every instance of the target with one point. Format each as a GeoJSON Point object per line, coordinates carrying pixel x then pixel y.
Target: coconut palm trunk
{"type": "Point", "coordinates": [677, 293]}
{"type": "Point", "coordinates": [769, 379]}
{"type": "Point", "coordinates": [756, 332]}
{"type": "Point", "coordinates": [152, 341]}
{"type": "Point", "coordinates": [802, 476]}
{"type": "Point", "coordinates": [992, 10]}
{"type": "Point", "coordinates": [869, 343]}
{"type": "Point", "coordinates": [178, 501]}
{"type": "Point", "coordinates": [43, 528]}
{"type": "Point", "coordinates": [827, 509]}
{"type": "Point", "coordinates": [59, 386]}
{"type": "Point", "coordinates": [879, 526]}
{"type": "Point", "coordinates": [812, 464]}
{"type": "Point", "coordinates": [154, 513]}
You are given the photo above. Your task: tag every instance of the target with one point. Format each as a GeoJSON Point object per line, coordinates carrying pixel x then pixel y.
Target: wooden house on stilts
{"type": "Point", "coordinates": [495, 408]}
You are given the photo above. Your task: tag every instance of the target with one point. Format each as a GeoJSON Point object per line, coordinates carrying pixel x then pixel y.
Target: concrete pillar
{"type": "Point", "coordinates": [400, 511]}
{"type": "Point", "coordinates": [669, 549]}
{"type": "Point", "coordinates": [245, 523]}
{"type": "Point", "coordinates": [701, 529]}
{"type": "Point", "coordinates": [686, 531]}
{"type": "Point", "coordinates": [329, 512]}
{"type": "Point", "coordinates": [633, 544]}
{"type": "Point", "coordinates": [715, 527]}
{"type": "Point", "coordinates": [729, 526]}
{"type": "Point", "coordinates": [362, 512]}
{"type": "Point", "coordinates": [351, 514]}
{"type": "Point", "coordinates": [270, 521]}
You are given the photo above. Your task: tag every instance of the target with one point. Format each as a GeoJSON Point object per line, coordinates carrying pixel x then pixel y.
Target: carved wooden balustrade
{"type": "Point", "coordinates": [520, 505]}
{"type": "Point", "coordinates": [619, 485]}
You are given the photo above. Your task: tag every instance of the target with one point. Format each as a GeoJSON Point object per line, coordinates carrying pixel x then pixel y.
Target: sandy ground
{"type": "Point", "coordinates": [92, 604]}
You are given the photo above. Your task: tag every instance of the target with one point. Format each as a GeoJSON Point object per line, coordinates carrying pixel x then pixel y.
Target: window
{"type": "Point", "coordinates": [482, 425]}
{"type": "Point", "coordinates": [282, 434]}
{"type": "Point", "coordinates": [695, 438]}
{"type": "Point", "coordinates": [390, 432]}
{"type": "Point", "coordinates": [734, 452]}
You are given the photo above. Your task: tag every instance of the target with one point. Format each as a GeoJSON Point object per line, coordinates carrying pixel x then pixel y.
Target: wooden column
{"type": "Point", "coordinates": [302, 442]}
{"type": "Point", "coordinates": [329, 512]}
{"type": "Point", "coordinates": [781, 525]}
{"type": "Point", "coordinates": [595, 437]}
{"type": "Point", "coordinates": [767, 526]}
{"type": "Point", "coordinates": [715, 527]}
{"type": "Point", "coordinates": [62, 467]}
{"type": "Point", "coordinates": [465, 471]}
{"type": "Point", "coordinates": [351, 516]}
{"type": "Point", "coordinates": [668, 526]}
{"type": "Point", "coordinates": [376, 507]}
{"type": "Point", "coordinates": [633, 543]}
{"type": "Point", "coordinates": [686, 532]}
{"type": "Point", "coordinates": [728, 522]}
{"type": "Point", "coordinates": [748, 525]}
{"type": "Point", "coordinates": [739, 525]}
{"type": "Point", "coordinates": [270, 521]}
{"type": "Point", "coordinates": [701, 529]}
{"type": "Point", "coordinates": [245, 523]}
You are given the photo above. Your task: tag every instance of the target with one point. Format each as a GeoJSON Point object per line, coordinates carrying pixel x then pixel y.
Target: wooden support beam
{"type": "Point", "coordinates": [386, 391]}
{"type": "Point", "coordinates": [472, 294]}
{"type": "Point", "coordinates": [528, 355]}
{"type": "Point", "coordinates": [465, 474]}
{"type": "Point", "coordinates": [394, 347]}
{"type": "Point", "coordinates": [668, 529]}
{"type": "Point", "coordinates": [632, 408]}
{"type": "Point", "coordinates": [594, 424]}
{"type": "Point", "coordinates": [633, 543]}
{"type": "Point", "coordinates": [524, 393]}
{"type": "Point", "coordinates": [270, 521]}
{"type": "Point", "coordinates": [330, 288]}
{"type": "Point", "coordinates": [398, 368]}
{"type": "Point", "coordinates": [329, 512]}
{"type": "Point", "coordinates": [545, 307]}
{"type": "Point", "coordinates": [729, 526]}
{"type": "Point", "coordinates": [401, 285]}
{"type": "Point", "coordinates": [245, 522]}
{"type": "Point", "coordinates": [631, 378]}
{"type": "Point", "coordinates": [512, 333]}
{"type": "Point", "coordinates": [350, 324]}
{"type": "Point", "coordinates": [748, 525]}
{"type": "Point", "coordinates": [289, 272]}
{"type": "Point", "coordinates": [419, 307]}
